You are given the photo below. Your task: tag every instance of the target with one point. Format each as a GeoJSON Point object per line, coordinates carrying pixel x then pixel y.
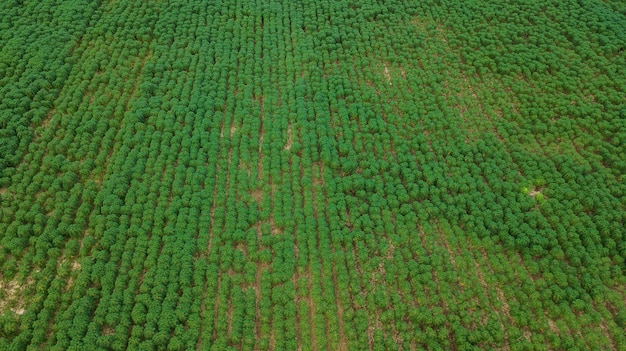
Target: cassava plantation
{"type": "Point", "coordinates": [312, 175]}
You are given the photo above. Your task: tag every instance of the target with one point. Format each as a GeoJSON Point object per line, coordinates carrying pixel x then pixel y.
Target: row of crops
{"type": "Point", "coordinates": [312, 175]}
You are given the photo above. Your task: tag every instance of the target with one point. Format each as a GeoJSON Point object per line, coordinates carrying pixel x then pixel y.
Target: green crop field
{"type": "Point", "coordinates": [312, 175]}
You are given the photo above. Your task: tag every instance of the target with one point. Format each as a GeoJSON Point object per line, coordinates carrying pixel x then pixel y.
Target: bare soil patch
{"type": "Point", "coordinates": [11, 296]}
{"type": "Point", "coordinates": [107, 330]}
{"type": "Point", "coordinates": [387, 75]}
{"type": "Point", "coordinates": [289, 138]}
{"type": "Point", "coordinates": [505, 306]}
{"type": "Point", "coordinates": [535, 191]}
{"type": "Point", "coordinates": [257, 195]}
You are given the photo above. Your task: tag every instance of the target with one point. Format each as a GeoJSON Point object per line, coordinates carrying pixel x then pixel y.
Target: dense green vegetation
{"type": "Point", "coordinates": [341, 175]}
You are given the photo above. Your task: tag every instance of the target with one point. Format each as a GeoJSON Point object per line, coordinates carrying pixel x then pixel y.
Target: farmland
{"type": "Point", "coordinates": [312, 175]}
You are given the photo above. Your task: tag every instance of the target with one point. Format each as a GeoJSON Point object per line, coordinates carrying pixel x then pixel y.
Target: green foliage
{"type": "Point", "coordinates": [312, 175]}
